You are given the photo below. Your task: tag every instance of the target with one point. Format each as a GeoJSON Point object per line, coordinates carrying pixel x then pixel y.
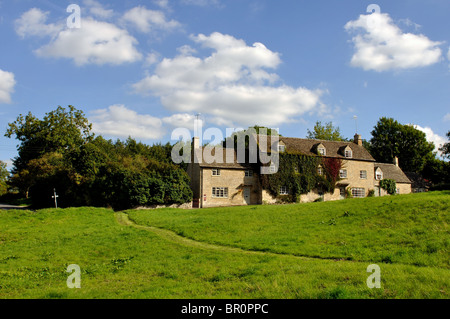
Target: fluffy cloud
{"type": "Point", "coordinates": [33, 23]}
{"type": "Point", "coordinates": [96, 9]}
{"type": "Point", "coordinates": [96, 42]}
{"type": "Point", "coordinates": [121, 122]}
{"type": "Point", "coordinates": [7, 83]}
{"type": "Point", "coordinates": [381, 45]}
{"type": "Point", "coordinates": [184, 120]}
{"type": "Point", "coordinates": [231, 86]}
{"type": "Point", "coordinates": [147, 20]}
{"type": "Point", "coordinates": [432, 137]}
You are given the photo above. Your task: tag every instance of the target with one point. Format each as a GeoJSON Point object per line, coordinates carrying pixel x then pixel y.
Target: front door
{"type": "Point", "coordinates": [247, 195]}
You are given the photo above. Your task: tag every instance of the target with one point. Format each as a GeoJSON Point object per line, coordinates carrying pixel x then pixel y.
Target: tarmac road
{"type": "Point", "coordinates": [6, 206]}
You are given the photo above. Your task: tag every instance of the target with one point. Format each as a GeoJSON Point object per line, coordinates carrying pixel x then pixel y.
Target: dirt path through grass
{"type": "Point", "coordinates": [171, 236]}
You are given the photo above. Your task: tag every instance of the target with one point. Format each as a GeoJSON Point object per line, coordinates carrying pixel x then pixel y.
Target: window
{"type": "Point", "coordinates": [216, 172]}
{"type": "Point", "coordinates": [379, 175]}
{"type": "Point", "coordinates": [281, 148]}
{"type": "Point", "coordinates": [220, 192]}
{"type": "Point", "coordinates": [284, 190]}
{"type": "Point", "coordinates": [320, 170]}
{"type": "Point", "coordinates": [321, 151]}
{"type": "Point", "coordinates": [348, 153]}
{"type": "Point", "coordinates": [248, 173]}
{"type": "Point", "coordinates": [273, 168]}
{"type": "Point", "coordinates": [358, 192]}
{"type": "Point", "coordinates": [363, 174]}
{"type": "Point", "coordinates": [397, 191]}
{"type": "Point", "coordinates": [343, 173]}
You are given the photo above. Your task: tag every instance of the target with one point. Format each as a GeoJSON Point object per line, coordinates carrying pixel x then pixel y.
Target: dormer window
{"type": "Point", "coordinates": [281, 148]}
{"type": "Point", "coordinates": [378, 174]}
{"type": "Point", "coordinates": [321, 150]}
{"type": "Point", "coordinates": [348, 153]}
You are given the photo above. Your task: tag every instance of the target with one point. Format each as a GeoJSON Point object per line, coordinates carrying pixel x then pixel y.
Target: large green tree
{"type": "Point", "coordinates": [61, 130]}
{"type": "Point", "coordinates": [390, 139]}
{"type": "Point", "coordinates": [325, 132]}
{"type": "Point", "coordinates": [445, 149]}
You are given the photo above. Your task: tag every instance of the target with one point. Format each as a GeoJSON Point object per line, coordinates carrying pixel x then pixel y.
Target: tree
{"type": "Point", "coordinates": [325, 132]}
{"type": "Point", "coordinates": [4, 174]}
{"type": "Point", "coordinates": [445, 149]}
{"type": "Point", "coordinates": [60, 130]}
{"type": "Point", "coordinates": [390, 139]}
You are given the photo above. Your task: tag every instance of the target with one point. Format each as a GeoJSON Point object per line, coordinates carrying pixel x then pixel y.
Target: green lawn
{"type": "Point", "coordinates": [124, 261]}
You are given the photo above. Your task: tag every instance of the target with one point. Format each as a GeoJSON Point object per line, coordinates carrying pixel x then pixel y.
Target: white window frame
{"type": "Point", "coordinates": [284, 190]}
{"type": "Point", "coordinates": [358, 192]}
{"type": "Point", "coordinates": [320, 171]}
{"type": "Point", "coordinates": [379, 175]}
{"type": "Point", "coordinates": [343, 173]}
{"type": "Point", "coordinates": [322, 151]}
{"type": "Point", "coordinates": [248, 173]}
{"type": "Point", "coordinates": [281, 148]}
{"type": "Point", "coordinates": [363, 174]}
{"type": "Point", "coordinates": [348, 154]}
{"type": "Point", "coordinates": [215, 172]}
{"type": "Point", "coordinates": [219, 192]}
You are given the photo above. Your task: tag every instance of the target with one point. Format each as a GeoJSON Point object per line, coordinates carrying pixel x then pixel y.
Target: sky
{"type": "Point", "coordinates": [144, 68]}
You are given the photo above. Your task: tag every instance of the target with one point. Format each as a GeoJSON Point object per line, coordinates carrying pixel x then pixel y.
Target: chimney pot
{"type": "Point", "coordinates": [396, 161]}
{"type": "Point", "coordinates": [357, 140]}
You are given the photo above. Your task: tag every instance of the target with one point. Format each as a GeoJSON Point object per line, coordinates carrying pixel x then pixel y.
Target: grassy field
{"type": "Point", "coordinates": [317, 250]}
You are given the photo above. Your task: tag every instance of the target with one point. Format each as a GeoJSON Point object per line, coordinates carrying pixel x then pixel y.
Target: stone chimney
{"type": "Point", "coordinates": [396, 161]}
{"type": "Point", "coordinates": [358, 140]}
{"type": "Point", "coordinates": [195, 143]}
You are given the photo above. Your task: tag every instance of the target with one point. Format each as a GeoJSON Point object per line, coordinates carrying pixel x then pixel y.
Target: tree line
{"type": "Point", "coordinates": [60, 152]}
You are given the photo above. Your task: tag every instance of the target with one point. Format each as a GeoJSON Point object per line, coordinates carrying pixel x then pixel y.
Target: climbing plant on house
{"type": "Point", "coordinates": [298, 173]}
{"type": "Point", "coordinates": [389, 185]}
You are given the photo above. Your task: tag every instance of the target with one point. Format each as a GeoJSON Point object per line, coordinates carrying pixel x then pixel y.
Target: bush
{"type": "Point", "coordinates": [389, 185]}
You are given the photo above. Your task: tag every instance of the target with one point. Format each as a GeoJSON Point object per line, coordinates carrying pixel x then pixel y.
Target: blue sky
{"type": "Point", "coordinates": [143, 68]}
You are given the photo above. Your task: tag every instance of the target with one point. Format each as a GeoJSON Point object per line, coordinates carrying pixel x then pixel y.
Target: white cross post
{"type": "Point", "coordinates": [55, 197]}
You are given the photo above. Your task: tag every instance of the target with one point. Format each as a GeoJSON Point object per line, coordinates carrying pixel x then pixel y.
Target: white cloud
{"type": "Point", "coordinates": [7, 83]}
{"type": "Point", "coordinates": [184, 120]}
{"type": "Point", "coordinates": [232, 85]}
{"type": "Point", "coordinates": [97, 9]}
{"type": "Point", "coordinates": [95, 42]}
{"type": "Point", "coordinates": [121, 122]}
{"type": "Point", "coordinates": [33, 23]}
{"type": "Point", "coordinates": [164, 4]}
{"type": "Point", "coordinates": [447, 117]}
{"type": "Point", "coordinates": [432, 137]}
{"type": "Point", "coordinates": [147, 20]}
{"type": "Point", "coordinates": [381, 45]}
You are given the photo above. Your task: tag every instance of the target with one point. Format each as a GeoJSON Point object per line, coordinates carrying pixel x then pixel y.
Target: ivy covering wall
{"type": "Point", "coordinates": [299, 173]}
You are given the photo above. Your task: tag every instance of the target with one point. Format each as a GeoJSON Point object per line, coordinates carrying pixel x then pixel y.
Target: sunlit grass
{"type": "Point", "coordinates": [119, 261]}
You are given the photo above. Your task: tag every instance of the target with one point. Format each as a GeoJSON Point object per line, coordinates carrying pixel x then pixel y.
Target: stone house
{"type": "Point", "coordinates": [227, 182]}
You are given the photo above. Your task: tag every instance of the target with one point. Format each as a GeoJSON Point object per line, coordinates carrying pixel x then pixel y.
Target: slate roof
{"type": "Point", "coordinates": [224, 163]}
{"type": "Point", "coordinates": [333, 148]}
{"type": "Point", "coordinates": [391, 171]}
